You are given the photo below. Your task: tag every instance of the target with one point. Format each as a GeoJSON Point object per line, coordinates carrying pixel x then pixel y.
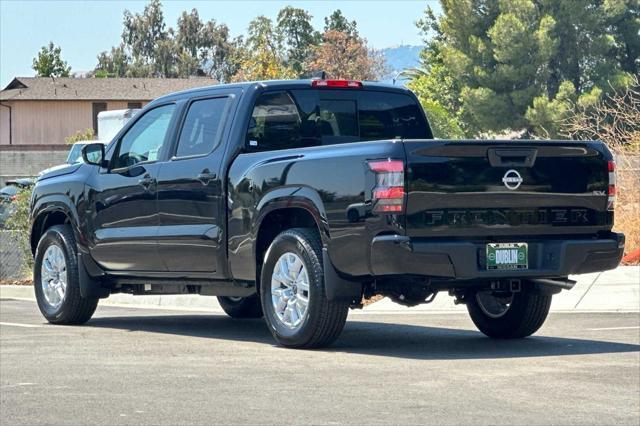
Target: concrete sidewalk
{"type": "Point", "coordinates": [611, 291]}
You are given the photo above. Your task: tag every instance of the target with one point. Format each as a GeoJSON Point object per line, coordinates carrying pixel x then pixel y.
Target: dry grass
{"type": "Point", "coordinates": [372, 300]}
{"type": "Point", "coordinates": [627, 214]}
{"type": "Point", "coordinates": [26, 281]}
{"type": "Point", "coordinates": [615, 120]}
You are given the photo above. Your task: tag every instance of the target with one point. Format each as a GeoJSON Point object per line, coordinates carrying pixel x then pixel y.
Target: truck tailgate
{"type": "Point", "coordinates": [506, 188]}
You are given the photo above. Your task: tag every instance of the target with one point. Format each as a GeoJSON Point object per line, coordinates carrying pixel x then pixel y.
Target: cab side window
{"type": "Point", "coordinates": [275, 123]}
{"type": "Point", "coordinates": [144, 140]}
{"type": "Point", "coordinates": [202, 127]}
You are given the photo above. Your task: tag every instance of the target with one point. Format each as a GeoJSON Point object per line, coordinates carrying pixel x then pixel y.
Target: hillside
{"type": "Point", "coordinates": [399, 58]}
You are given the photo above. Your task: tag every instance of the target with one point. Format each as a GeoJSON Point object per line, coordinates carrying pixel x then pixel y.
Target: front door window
{"type": "Point", "coordinates": [144, 140]}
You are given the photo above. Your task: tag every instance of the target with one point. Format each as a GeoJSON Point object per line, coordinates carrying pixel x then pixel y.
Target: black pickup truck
{"type": "Point", "coordinates": [296, 200]}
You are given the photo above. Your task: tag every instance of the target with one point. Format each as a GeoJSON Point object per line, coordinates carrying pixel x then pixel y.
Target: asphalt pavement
{"type": "Point", "coordinates": [152, 366]}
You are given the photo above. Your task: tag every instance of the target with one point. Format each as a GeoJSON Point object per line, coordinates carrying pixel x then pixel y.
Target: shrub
{"type": "Point", "coordinates": [18, 223]}
{"type": "Point", "coordinates": [80, 135]}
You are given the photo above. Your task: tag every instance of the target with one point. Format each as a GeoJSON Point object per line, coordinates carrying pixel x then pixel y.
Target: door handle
{"type": "Point", "coordinates": [206, 176]}
{"type": "Point", "coordinates": [146, 181]}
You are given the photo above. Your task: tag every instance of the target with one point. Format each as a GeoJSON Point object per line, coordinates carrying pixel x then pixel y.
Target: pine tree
{"type": "Point", "coordinates": [522, 64]}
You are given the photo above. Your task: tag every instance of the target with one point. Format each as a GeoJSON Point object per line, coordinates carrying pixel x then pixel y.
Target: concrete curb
{"type": "Point", "coordinates": [169, 302]}
{"type": "Point", "coordinates": [611, 291]}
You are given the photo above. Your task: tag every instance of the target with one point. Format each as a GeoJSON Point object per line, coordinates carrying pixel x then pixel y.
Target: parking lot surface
{"type": "Point", "coordinates": [151, 366]}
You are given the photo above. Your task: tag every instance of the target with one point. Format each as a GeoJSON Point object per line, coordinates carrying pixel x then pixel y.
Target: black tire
{"type": "Point", "coordinates": [526, 314]}
{"type": "Point", "coordinates": [243, 307]}
{"type": "Point", "coordinates": [74, 308]}
{"type": "Point", "coordinates": [325, 319]}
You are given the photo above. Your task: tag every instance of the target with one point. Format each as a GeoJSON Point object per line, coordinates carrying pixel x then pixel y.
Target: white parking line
{"type": "Point", "coordinates": [16, 385]}
{"type": "Point", "coordinates": [15, 324]}
{"type": "Point", "coordinates": [614, 328]}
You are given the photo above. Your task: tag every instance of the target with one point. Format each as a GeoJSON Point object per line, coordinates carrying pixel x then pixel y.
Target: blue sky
{"type": "Point", "coordinates": [85, 28]}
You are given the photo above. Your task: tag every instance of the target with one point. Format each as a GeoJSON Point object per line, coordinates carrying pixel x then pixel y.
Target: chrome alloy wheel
{"type": "Point", "coordinates": [53, 276]}
{"type": "Point", "coordinates": [290, 290]}
{"type": "Point", "coordinates": [493, 306]}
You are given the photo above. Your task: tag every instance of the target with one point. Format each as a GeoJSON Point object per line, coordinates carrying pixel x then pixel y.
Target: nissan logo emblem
{"type": "Point", "coordinates": [512, 179]}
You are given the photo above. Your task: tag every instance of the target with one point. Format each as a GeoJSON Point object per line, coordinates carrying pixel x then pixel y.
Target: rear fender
{"type": "Point", "coordinates": [302, 197]}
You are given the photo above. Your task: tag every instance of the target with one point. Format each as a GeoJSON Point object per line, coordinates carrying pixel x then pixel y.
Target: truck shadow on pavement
{"type": "Point", "coordinates": [373, 338]}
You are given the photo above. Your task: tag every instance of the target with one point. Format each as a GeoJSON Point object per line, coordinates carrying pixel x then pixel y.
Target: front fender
{"type": "Point", "coordinates": [50, 204]}
{"type": "Point", "coordinates": [45, 205]}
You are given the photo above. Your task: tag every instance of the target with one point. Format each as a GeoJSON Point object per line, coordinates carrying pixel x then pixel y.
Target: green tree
{"type": "Point", "coordinates": [186, 65]}
{"type": "Point", "coordinates": [150, 48]}
{"type": "Point", "coordinates": [261, 55]}
{"type": "Point", "coordinates": [219, 53]}
{"type": "Point", "coordinates": [189, 32]}
{"type": "Point", "coordinates": [204, 47]}
{"type": "Point", "coordinates": [522, 64]}
{"type": "Point", "coordinates": [112, 64]}
{"type": "Point", "coordinates": [142, 32]}
{"type": "Point", "coordinates": [49, 62]}
{"type": "Point", "coordinates": [338, 22]}
{"type": "Point", "coordinates": [439, 96]}
{"type": "Point", "coordinates": [139, 69]}
{"type": "Point", "coordinates": [298, 36]}
{"type": "Point", "coordinates": [435, 86]}
{"type": "Point", "coordinates": [165, 56]}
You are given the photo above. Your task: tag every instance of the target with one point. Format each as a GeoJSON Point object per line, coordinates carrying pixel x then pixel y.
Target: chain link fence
{"type": "Point", "coordinates": [12, 261]}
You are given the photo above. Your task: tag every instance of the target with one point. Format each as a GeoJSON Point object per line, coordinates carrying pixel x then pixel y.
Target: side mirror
{"type": "Point", "coordinates": [93, 153]}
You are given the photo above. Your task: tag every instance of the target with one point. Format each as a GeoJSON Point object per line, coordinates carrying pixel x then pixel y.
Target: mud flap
{"type": "Point", "coordinates": [89, 287]}
{"type": "Point", "coordinates": [337, 288]}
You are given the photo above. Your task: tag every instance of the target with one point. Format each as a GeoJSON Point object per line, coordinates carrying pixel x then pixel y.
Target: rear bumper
{"type": "Point", "coordinates": [399, 255]}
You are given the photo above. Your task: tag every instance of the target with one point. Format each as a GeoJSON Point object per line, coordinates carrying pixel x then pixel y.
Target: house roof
{"type": "Point", "coordinates": [77, 89]}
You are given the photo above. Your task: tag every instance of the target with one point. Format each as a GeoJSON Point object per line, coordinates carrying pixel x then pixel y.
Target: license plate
{"type": "Point", "coordinates": [507, 256]}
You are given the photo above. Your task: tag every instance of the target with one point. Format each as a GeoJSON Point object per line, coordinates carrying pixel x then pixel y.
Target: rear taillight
{"type": "Point", "coordinates": [611, 200]}
{"type": "Point", "coordinates": [346, 84]}
{"type": "Point", "coordinates": [388, 194]}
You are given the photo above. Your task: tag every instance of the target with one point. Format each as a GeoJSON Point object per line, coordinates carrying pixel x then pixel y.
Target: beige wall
{"type": "Point", "coordinates": [25, 161]}
{"type": "Point", "coordinates": [48, 122]}
{"type": "Point", "coordinates": [4, 125]}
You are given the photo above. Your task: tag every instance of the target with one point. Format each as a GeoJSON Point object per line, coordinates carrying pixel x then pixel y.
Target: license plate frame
{"type": "Point", "coordinates": [507, 256]}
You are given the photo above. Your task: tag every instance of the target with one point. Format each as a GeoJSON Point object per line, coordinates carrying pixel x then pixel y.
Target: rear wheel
{"type": "Point", "coordinates": [56, 281]}
{"type": "Point", "coordinates": [241, 307]}
{"type": "Point", "coordinates": [506, 315]}
{"type": "Point", "coordinates": [293, 294]}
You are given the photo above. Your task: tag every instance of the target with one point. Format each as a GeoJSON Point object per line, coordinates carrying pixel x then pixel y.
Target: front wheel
{"type": "Point", "coordinates": [56, 279]}
{"type": "Point", "coordinates": [508, 315]}
{"type": "Point", "coordinates": [293, 294]}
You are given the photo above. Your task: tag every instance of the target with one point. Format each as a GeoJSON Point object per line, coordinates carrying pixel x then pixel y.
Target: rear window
{"type": "Point", "coordinates": [303, 118]}
{"type": "Point", "coordinates": [201, 129]}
